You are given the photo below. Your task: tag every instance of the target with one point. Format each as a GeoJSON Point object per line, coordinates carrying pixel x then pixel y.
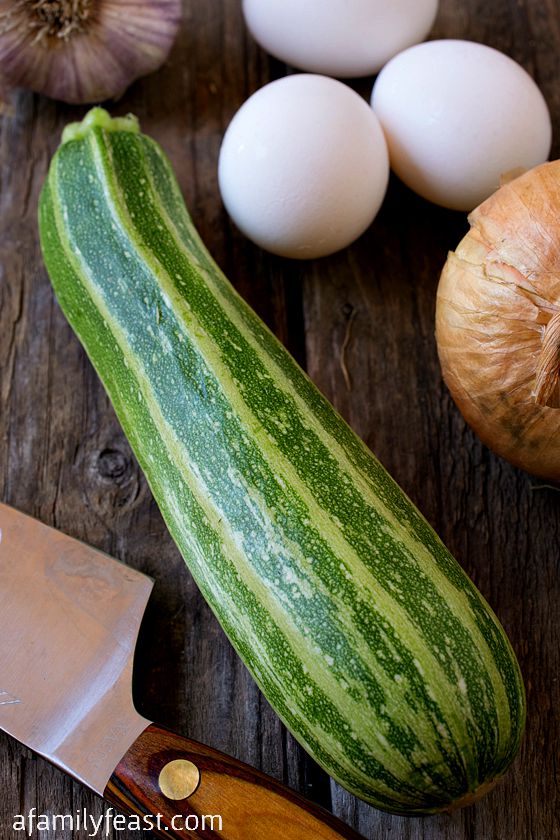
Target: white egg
{"type": "Point", "coordinates": [338, 37]}
{"type": "Point", "coordinates": [303, 166]}
{"type": "Point", "coordinates": [457, 116]}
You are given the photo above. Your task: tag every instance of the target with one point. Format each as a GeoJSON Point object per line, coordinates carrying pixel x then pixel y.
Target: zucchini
{"type": "Point", "coordinates": [364, 634]}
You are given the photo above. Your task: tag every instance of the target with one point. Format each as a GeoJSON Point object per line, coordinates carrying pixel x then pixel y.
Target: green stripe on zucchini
{"type": "Point", "coordinates": [361, 630]}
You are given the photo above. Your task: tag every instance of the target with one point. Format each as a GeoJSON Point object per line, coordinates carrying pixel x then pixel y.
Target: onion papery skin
{"type": "Point", "coordinates": [119, 41]}
{"type": "Point", "coordinates": [498, 293]}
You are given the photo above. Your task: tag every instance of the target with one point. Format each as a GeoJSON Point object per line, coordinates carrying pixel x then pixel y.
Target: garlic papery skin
{"type": "Point", "coordinates": [498, 322]}
{"type": "Point", "coordinates": [82, 51]}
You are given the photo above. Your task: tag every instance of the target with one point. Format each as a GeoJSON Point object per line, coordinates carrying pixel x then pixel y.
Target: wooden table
{"type": "Point", "coordinates": [63, 457]}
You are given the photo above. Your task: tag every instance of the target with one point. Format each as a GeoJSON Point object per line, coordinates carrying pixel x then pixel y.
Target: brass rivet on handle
{"type": "Point", "coordinates": [179, 779]}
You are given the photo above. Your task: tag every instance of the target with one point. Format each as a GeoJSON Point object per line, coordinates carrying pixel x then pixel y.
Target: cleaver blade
{"type": "Point", "coordinates": [69, 620]}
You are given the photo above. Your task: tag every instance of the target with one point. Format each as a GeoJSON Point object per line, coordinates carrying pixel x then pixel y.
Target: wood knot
{"type": "Point", "coordinates": [112, 465]}
{"type": "Point", "coordinates": [111, 476]}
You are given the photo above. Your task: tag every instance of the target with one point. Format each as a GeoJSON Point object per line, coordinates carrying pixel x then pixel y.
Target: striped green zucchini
{"type": "Point", "coordinates": [362, 631]}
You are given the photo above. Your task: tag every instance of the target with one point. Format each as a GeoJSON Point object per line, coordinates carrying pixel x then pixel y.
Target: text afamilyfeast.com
{"type": "Point", "coordinates": [103, 825]}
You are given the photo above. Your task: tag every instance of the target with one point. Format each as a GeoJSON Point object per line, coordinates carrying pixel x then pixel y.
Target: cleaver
{"type": "Point", "coordinates": [69, 620]}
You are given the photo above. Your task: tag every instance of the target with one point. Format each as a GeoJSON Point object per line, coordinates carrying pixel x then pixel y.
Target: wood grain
{"type": "Point", "coordinates": [63, 457]}
{"type": "Point", "coordinates": [250, 805]}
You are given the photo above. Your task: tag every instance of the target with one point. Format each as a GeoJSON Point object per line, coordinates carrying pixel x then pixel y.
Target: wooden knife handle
{"type": "Point", "coordinates": [161, 767]}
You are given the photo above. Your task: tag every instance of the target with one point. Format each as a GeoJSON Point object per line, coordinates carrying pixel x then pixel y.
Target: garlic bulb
{"type": "Point", "coordinates": [84, 50]}
{"type": "Point", "coordinates": [498, 322]}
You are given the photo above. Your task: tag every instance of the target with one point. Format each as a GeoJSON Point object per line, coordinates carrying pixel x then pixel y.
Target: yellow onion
{"type": "Point", "coordinates": [82, 51]}
{"type": "Point", "coordinates": [498, 321]}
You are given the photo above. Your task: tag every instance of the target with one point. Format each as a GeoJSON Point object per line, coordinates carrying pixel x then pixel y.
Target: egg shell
{"type": "Point", "coordinates": [341, 38]}
{"type": "Point", "coordinates": [303, 166]}
{"type": "Point", "coordinates": [457, 116]}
